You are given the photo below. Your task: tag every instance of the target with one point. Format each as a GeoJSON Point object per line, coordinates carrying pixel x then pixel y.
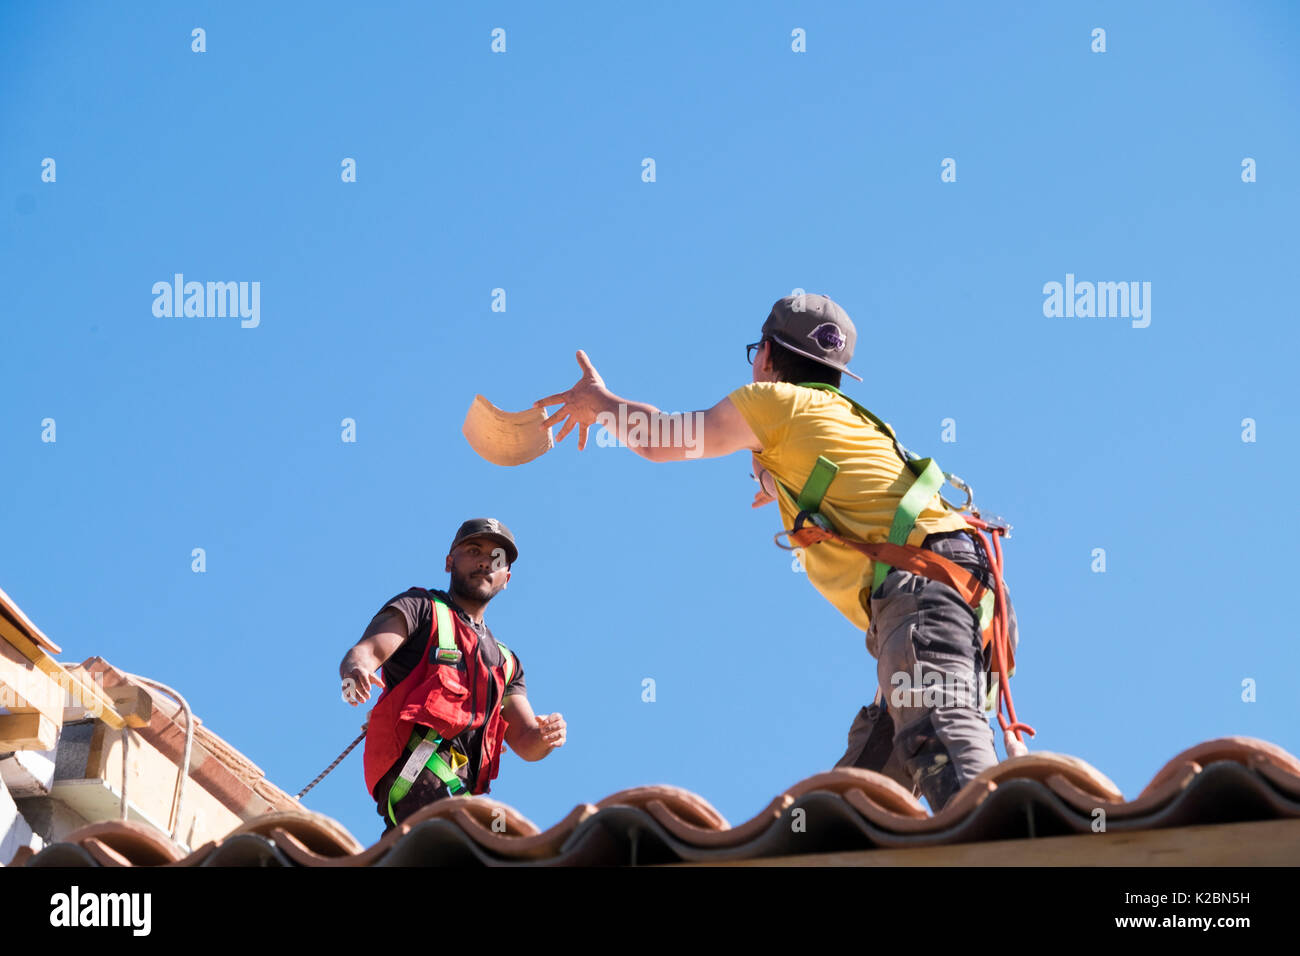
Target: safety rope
{"type": "Point", "coordinates": [1000, 642]}
{"type": "Point", "coordinates": [937, 568]}
{"type": "Point", "coordinates": [927, 478]}
{"type": "Point", "coordinates": [338, 760]}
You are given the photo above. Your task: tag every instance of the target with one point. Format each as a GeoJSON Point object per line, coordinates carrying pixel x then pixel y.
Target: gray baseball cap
{"type": "Point", "coordinates": [815, 327]}
{"type": "Point", "coordinates": [492, 528]}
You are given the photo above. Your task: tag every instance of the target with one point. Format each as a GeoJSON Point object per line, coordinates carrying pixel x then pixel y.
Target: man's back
{"type": "Point", "coordinates": [795, 425]}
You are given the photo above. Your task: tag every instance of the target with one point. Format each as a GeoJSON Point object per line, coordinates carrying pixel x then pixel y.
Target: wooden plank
{"type": "Point", "coordinates": [100, 741]}
{"type": "Point", "coordinates": [25, 688]}
{"type": "Point", "coordinates": [27, 732]}
{"type": "Point", "coordinates": [133, 703]}
{"type": "Point", "coordinates": [98, 703]}
{"type": "Point", "coordinates": [1259, 843]}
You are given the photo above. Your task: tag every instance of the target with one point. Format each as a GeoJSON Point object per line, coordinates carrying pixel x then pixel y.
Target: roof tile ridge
{"type": "Point", "coordinates": [1248, 751]}
{"type": "Point", "coordinates": [684, 803]}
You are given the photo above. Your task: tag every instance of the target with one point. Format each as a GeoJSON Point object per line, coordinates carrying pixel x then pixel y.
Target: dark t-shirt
{"type": "Point", "coordinates": [462, 752]}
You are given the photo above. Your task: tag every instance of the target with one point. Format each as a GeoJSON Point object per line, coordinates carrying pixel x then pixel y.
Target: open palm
{"type": "Point", "coordinates": [580, 405]}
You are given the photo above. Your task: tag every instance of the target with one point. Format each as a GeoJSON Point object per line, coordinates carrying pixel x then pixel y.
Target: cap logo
{"type": "Point", "coordinates": [493, 526]}
{"type": "Point", "coordinates": [829, 337]}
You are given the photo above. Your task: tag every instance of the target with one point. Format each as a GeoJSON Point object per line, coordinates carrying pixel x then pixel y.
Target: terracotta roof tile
{"type": "Point", "coordinates": [1231, 779]}
{"type": "Point", "coordinates": [139, 844]}
{"type": "Point", "coordinates": [1239, 749]}
{"type": "Point", "coordinates": [321, 834]}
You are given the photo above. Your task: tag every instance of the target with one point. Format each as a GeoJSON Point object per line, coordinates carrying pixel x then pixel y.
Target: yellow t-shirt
{"type": "Point", "coordinates": [795, 425]}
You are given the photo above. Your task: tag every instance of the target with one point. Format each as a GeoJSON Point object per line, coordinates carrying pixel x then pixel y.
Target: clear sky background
{"type": "Point", "coordinates": [775, 170]}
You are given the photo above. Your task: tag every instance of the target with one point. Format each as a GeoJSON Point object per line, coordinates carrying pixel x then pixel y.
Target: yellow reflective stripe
{"type": "Point", "coordinates": [510, 663]}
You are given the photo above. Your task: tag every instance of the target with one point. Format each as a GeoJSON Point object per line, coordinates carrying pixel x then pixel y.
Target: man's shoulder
{"type": "Point", "coordinates": [427, 594]}
{"type": "Point", "coordinates": [770, 407]}
{"type": "Point", "coordinates": [770, 391]}
{"type": "Point", "coordinates": [763, 403]}
{"type": "Point", "coordinates": [412, 593]}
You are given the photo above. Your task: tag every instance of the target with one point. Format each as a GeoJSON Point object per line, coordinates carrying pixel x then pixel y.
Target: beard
{"type": "Point", "coordinates": [472, 587]}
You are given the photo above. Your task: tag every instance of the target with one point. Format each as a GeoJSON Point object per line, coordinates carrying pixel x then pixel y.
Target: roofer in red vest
{"type": "Point", "coordinates": [452, 693]}
{"type": "Point", "coordinates": [845, 486]}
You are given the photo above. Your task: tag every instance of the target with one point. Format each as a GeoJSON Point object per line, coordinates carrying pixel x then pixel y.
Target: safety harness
{"type": "Point", "coordinates": [423, 747]}
{"type": "Point", "coordinates": [811, 527]}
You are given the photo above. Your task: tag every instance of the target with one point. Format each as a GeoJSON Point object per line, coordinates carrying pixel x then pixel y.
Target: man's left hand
{"type": "Point", "coordinates": [552, 730]}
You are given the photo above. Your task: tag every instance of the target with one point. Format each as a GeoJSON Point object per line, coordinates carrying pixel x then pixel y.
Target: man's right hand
{"type": "Point", "coordinates": [356, 686]}
{"type": "Point", "coordinates": [360, 666]}
{"type": "Point", "coordinates": [582, 404]}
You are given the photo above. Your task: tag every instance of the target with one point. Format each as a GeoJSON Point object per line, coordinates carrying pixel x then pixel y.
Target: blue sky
{"type": "Point", "coordinates": [522, 170]}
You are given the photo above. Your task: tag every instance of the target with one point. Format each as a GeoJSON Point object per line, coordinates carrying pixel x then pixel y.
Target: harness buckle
{"type": "Point", "coordinates": [999, 522]}
{"type": "Point", "coordinates": [816, 517]}
{"type": "Point", "coordinates": [448, 655]}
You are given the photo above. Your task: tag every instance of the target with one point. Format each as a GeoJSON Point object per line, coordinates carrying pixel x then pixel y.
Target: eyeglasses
{"type": "Point", "coordinates": [752, 349]}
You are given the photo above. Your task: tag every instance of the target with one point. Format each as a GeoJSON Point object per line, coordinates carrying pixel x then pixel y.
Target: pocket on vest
{"type": "Point", "coordinates": [451, 681]}
{"type": "Point", "coordinates": [447, 702]}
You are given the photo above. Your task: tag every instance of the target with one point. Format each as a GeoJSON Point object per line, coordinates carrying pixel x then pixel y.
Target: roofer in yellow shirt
{"type": "Point", "coordinates": [926, 728]}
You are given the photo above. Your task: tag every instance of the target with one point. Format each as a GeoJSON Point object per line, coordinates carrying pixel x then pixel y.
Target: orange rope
{"type": "Point", "coordinates": [1011, 727]}
{"type": "Point", "coordinates": [1000, 639]}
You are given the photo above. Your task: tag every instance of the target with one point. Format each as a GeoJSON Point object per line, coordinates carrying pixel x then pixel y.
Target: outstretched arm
{"type": "Point", "coordinates": [360, 666]}
{"type": "Point", "coordinates": [649, 432]}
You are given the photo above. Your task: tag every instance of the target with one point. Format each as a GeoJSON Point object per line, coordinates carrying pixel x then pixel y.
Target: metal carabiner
{"type": "Point", "coordinates": [956, 482]}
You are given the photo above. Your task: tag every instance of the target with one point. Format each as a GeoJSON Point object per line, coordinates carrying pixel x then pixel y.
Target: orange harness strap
{"type": "Point", "coordinates": [908, 558]}
{"type": "Point", "coordinates": [938, 568]}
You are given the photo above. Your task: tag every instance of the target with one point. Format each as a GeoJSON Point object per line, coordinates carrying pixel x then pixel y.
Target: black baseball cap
{"type": "Point", "coordinates": [491, 528]}
{"type": "Point", "coordinates": [815, 327]}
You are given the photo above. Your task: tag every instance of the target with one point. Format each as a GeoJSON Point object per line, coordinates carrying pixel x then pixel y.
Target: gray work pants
{"type": "Point", "coordinates": [927, 729]}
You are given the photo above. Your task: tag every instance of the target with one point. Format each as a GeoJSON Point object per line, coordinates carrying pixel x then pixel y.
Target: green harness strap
{"type": "Point", "coordinates": [424, 748]}
{"type": "Point", "coordinates": [928, 479]}
{"type": "Point", "coordinates": [510, 669]}
{"type": "Point", "coordinates": [424, 753]}
{"type": "Point", "coordinates": [449, 653]}
{"type": "Point", "coordinates": [814, 489]}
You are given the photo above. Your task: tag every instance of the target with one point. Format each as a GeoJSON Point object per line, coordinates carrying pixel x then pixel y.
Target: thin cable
{"type": "Point", "coordinates": [337, 760]}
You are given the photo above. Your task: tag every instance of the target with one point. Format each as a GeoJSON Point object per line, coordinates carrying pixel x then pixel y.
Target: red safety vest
{"type": "Point", "coordinates": [449, 697]}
